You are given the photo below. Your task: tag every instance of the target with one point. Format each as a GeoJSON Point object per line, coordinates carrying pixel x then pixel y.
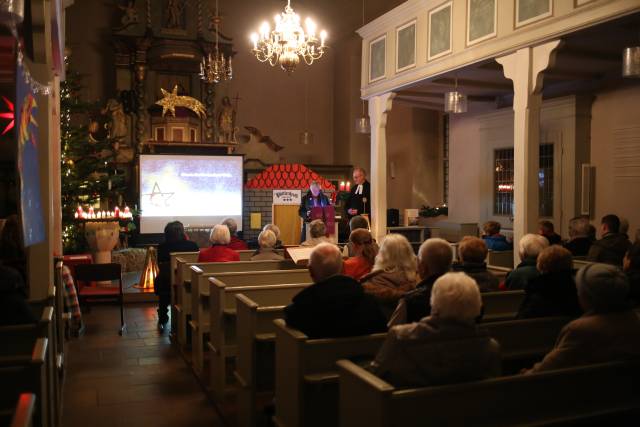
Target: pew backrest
{"type": "Point", "coordinates": [502, 305]}
{"type": "Point", "coordinates": [561, 396]}
{"type": "Point", "coordinates": [500, 259]}
{"type": "Point", "coordinates": [184, 257]}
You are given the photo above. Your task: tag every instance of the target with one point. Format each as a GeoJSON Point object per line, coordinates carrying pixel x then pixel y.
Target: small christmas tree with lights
{"type": "Point", "coordinates": [89, 172]}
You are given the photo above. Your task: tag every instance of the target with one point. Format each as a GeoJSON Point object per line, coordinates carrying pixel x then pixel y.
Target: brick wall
{"type": "Point", "coordinates": [256, 201]}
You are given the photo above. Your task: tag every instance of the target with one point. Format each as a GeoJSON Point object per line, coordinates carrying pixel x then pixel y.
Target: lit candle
{"type": "Point", "coordinates": [254, 39]}
{"type": "Point", "coordinates": [116, 212]}
{"type": "Point", "coordinates": [323, 36]}
{"type": "Point", "coordinates": [75, 215]}
{"type": "Point", "coordinates": [91, 211]}
{"type": "Point", "coordinates": [348, 186]}
{"type": "Point", "coordinates": [311, 27]}
{"type": "Point", "coordinates": [341, 185]}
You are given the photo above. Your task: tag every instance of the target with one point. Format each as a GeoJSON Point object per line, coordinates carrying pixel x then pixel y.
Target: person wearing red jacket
{"type": "Point", "coordinates": [235, 243]}
{"type": "Point", "coordinates": [219, 251]}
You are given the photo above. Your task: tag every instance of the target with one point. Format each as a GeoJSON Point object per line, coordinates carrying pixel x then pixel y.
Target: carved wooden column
{"type": "Point", "coordinates": [379, 107]}
{"type": "Point", "coordinates": [141, 115]}
{"type": "Point", "coordinates": [210, 121]}
{"type": "Point", "coordinates": [524, 67]}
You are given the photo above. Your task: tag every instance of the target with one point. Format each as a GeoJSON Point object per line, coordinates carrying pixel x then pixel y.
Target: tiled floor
{"type": "Point", "coordinates": [138, 379]}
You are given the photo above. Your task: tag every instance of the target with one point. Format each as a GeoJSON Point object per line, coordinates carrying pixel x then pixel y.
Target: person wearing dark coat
{"type": "Point", "coordinates": [14, 308]}
{"type": "Point", "coordinates": [529, 248]}
{"type": "Point", "coordinates": [579, 240]}
{"type": "Point", "coordinates": [444, 348]}
{"type": "Point", "coordinates": [631, 267]}
{"type": "Point", "coordinates": [547, 230]}
{"type": "Point", "coordinates": [610, 249]}
{"type": "Point", "coordinates": [553, 292]}
{"type": "Point", "coordinates": [609, 329]}
{"type": "Point", "coordinates": [175, 240]}
{"type": "Point", "coordinates": [434, 260]}
{"type": "Point", "coordinates": [314, 198]}
{"type": "Point", "coordinates": [472, 251]}
{"type": "Point", "coordinates": [359, 200]}
{"type": "Point", "coordinates": [335, 305]}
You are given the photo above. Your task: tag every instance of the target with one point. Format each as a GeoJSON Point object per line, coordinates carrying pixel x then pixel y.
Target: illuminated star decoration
{"type": "Point", "coordinates": [9, 115]}
{"type": "Point", "coordinates": [156, 197]}
{"type": "Point", "coordinates": [171, 100]}
{"type": "Point", "coordinates": [27, 118]}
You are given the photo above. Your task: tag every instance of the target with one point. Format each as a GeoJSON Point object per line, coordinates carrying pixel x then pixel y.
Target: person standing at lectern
{"type": "Point", "coordinates": [313, 199]}
{"type": "Point", "coordinates": [359, 200]}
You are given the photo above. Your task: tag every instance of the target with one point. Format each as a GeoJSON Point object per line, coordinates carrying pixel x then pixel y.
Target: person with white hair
{"type": "Point", "coordinates": [266, 252]}
{"type": "Point", "coordinates": [335, 305]}
{"type": "Point", "coordinates": [235, 242]}
{"type": "Point", "coordinates": [579, 240]}
{"type": "Point", "coordinates": [276, 230]}
{"type": "Point", "coordinates": [444, 348]}
{"type": "Point", "coordinates": [529, 248]}
{"type": "Point", "coordinates": [219, 250]}
{"type": "Point", "coordinates": [393, 272]}
{"type": "Point", "coordinates": [434, 260]}
{"type": "Point", "coordinates": [609, 329]}
{"type": "Point", "coordinates": [317, 233]}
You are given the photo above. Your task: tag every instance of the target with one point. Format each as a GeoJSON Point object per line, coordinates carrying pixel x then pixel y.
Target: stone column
{"type": "Point", "coordinates": [379, 107]}
{"type": "Point", "coordinates": [525, 67]}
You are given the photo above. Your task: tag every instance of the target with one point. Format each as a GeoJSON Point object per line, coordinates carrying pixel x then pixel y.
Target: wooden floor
{"type": "Point", "coordinates": [135, 380]}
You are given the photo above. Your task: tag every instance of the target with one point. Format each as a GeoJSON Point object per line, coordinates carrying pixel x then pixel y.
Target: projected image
{"type": "Point", "coordinates": [197, 190]}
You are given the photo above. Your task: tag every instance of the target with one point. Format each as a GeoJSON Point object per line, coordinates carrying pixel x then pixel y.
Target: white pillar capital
{"type": "Point", "coordinates": [379, 107]}
{"type": "Point", "coordinates": [524, 68]}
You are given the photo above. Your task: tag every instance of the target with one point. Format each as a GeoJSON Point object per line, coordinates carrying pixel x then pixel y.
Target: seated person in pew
{"type": "Point", "coordinates": [317, 234]}
{"type": "Point", "coordinates": [529, 248]}
{"type": "Point", "coordinates": [553, 292]}
{"type": "Point", "coordinates": [235, 243]}
{"type": "Point", "coordinates": [393, 273]}
{"type": "Point", "coordinates": [579, 240]}
{"type": "Point", "coordinates": [71, 303]}
{"type": "Point", "coordinates": [434, 260]}
{"type": "Point", "coordinates": [444, 348]}
{"type": "Point", "coordinates": [267, 241]}
{"type": "Point", "coordinates": [335, 305]}
{"type": "Point", "coordinates": [364, 254]}
{"type": "Point", "coordinates": [175, 240]}
{"type": "Point", "coordinates": [492, 237]}
{"type": "Point", "coordinates": [14, 308]}
{"type": "Point", "coordinates": [356, 223]}
{"type": "Point", "coordinates": [547, 230]}
{"type": "Point", "coordinates": [611, 248]}
{"type": "Point", "coordinates": [631, 267]}
{"type": "Point", "coordinates": [276, 230]}
{"type": "Point", "coordinates": [219, 251]}
{"type": "Point", "coordinates": [608, 330]}
{"type": "Point", "coordinates": [472, 251]}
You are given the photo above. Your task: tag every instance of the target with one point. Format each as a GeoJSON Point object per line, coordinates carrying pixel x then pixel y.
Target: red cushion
{"type": "Point", "coordinates": [99, 290]}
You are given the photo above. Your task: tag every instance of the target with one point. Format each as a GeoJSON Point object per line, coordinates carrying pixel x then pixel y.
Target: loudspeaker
{"type": "Point", "coordinates": [393, 217]}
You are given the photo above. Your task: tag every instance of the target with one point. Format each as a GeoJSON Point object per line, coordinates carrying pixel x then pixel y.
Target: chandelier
{"type": "Point", "coordinates": [288, 42]}
{"type": "Point", "coordinates": [214, 66]}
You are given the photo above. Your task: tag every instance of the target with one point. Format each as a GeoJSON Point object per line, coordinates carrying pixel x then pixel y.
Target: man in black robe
{"type": "Point", "coordinates": [359, 200]}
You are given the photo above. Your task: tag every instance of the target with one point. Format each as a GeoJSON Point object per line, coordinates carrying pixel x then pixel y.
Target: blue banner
{"type": "Point", "coordinates": [28, 165]}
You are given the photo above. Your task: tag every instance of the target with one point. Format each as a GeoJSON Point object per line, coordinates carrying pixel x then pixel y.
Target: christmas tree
{"type": "Point", "coordinates": [89, 172]}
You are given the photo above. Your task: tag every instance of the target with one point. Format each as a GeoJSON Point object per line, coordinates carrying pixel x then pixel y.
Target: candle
{"type": "Point", "coordinates": [254, 39]}
{"type": "Point", "coordinates": [348, 186]}
{"type": "Point", "coordinates": [116, 212]}
{"type": "Point", "coordinates": [341, 185]}
{"type": "Point", "coordinates": [75, 215]}
{"type": "Point", "coordinates": [323, 36]}
{"type": "Point", "coordinates": [91, 212]}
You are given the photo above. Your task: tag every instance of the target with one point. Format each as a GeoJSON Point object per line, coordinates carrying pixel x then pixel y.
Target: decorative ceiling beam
{"type": "Point", "coordinates": [447, 81]}
{"type": "Point", "coordinates": [440, 96]}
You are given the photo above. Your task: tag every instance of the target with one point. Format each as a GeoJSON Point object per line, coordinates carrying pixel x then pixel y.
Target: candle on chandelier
{"type": "Point", "coordinates": [254, 39]}
{"type": "Point", "coordinates": [323, 36]}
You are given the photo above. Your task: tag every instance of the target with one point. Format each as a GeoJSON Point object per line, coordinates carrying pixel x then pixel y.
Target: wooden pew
{"type": "Point", "coordinates": [255, 359]}
{"type": "Point", "coordinates": [223, 344]}
{"type": "Point", "coordinates": [21, 414]}
{"type": "Point", "coordinates": [217, 294]}
{"type": "Point", "coordinates": [500, 259]}
{"type": "Point", "coordinates": [23, 359]}
{"type": "Point", "coordinates": [183, 284]}
{"type": "Point", "coordinates": [241, 273]}
{"type": "Point", "coordinates": [501, 305]}
{"type": "Point", "coordinates": [588, 394]}
{"type": "Point", "coordinates": [175, 290]}
{"type": "Point", "coordinates": [306, 377]}
{"type": "Point", "coordinates": [302, 363]}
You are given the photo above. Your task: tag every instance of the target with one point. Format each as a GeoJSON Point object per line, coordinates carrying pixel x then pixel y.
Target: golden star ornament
{"type": "Point", "coordinates": [171, 100]}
